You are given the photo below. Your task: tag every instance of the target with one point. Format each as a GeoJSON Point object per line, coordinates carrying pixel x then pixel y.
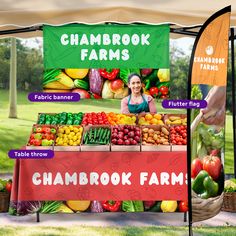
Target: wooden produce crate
{"type": "Point", "coordinates": [72, 148]}
{"type": "Point", "coordinates": [32, 147]}
{"type": "Point", "coordinates": [178, 146]}
{"type": "Point", "coordinates": [122, 120]}
{"type": "Point", "coordinates": [124, 147]}
{"type": "Point", "coordinates": [150, 119]}
{"type": "Point", "coordinates": [95, 147]}
{"type": "Point", "coordinates": [157, 135]}
{"type": "Point", "coordinates": [175, 119]}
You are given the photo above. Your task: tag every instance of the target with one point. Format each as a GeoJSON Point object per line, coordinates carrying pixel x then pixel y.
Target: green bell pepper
{"type": "Point", "coordinates": [204, 185]}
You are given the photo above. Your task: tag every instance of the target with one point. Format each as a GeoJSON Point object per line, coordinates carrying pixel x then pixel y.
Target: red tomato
{"type": "Point", "coordinates": [212, 164]}
{"type": "Point", "coordinates": [153, 91]}
{"type": "Point", "coordinates": [196, 167]}
{"type": "Point", "coordinates": [164, 90]}
{"type": "Point", "coordinates": [8, 187]}
{"type": "Point", "coordinates": [183, 206]}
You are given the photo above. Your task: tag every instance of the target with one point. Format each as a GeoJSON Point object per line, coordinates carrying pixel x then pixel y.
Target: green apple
{"type": "Point", "coordinates": [45, 142]}
{"type": "Point", "coordinates": [53, 131]}
{"type": "Point", "coordinates": [38, 136]}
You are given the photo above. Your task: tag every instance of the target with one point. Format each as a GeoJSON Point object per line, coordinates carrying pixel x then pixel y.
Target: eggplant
{"type": "Point", "coordinates": [95, 81]}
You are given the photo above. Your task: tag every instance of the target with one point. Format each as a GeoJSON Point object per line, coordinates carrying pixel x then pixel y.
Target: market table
{"type": "Point", "coordinates": [102, 176]}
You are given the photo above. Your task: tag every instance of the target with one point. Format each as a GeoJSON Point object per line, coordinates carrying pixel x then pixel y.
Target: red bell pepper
{"type": "Point", "coordinates": [109, 75]}
{"type": "Point", "coordinates": [111, 205]}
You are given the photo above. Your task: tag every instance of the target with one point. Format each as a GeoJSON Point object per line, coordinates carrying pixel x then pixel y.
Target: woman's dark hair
{"type": "Point", "coordinates": [130, 77]}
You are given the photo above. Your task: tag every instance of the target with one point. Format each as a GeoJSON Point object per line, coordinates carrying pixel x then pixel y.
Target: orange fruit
{"type": "Point", "coordinates": [148, 116]}
{"type": "Point", "coordinates": [154, 121]}
{"type": "Point", "coordinates": [157, 116]}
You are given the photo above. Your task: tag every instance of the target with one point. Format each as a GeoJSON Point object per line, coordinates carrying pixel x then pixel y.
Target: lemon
{"type": "Point", "coordinates": [74, 138]}
{"type": "Point", "coordinates": [60, 130]}
{"type": "Point", "coordinates": [71, 142]}
{"type": "Point", "coordinates": [76, 73]}
{"type": "Point", "coordinates": [169, 206]}
{"type": "Point", "coordinates": [67, 131]}
{"type": "Point", "coordinates": [76, 130]}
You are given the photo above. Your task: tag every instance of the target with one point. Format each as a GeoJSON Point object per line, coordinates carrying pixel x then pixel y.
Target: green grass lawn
{"type": "Point", "coordinates": [15, 132]}
{"type": "Point", "coordinates": [115, 231]}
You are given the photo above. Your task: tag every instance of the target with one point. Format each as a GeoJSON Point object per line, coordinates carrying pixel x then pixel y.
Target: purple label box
{"type": "Point", "coordinates": [31, 154]}
{"type": "Point", "coordinates": [184, 104]}
{"type": "Point", "coordinates": [54, 97]}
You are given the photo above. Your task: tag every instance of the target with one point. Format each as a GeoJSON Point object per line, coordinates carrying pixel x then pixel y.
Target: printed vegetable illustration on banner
{"type": "Point", "coordinates": [106, 83]}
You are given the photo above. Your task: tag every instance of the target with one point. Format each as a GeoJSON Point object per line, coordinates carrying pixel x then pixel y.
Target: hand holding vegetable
{"type": "Point", "coordinates": [214, 113]}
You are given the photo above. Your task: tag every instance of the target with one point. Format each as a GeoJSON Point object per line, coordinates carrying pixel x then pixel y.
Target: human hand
{"type": "Point", "coordinates": [214, 113]}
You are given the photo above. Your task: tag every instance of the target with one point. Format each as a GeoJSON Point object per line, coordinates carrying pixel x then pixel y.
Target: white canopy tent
{"type": "Point", "coordinates": [179, 13]}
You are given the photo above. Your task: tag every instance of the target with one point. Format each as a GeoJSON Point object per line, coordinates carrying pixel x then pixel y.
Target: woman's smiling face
{"type": "Point", "coordinates": [135, 85]}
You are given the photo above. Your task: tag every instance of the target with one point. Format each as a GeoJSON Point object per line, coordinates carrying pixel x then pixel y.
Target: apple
{"type": "Point", "coordinates": [131, 134]}
{"type": "Point", "coordinates": [127, 142]}
{"type": "Point", "coordinates": [120, 142]}
{"type": "Point", "coordinates": [45, 142]}
{"type": "Point", "coordinates": [37, 142]}
{"type": "Point", "coordinates": [114, 141]}
{"type": "Point", "coordinates": [38, 130]}
{"type": "Point", "coordinates": [53, 131]}
{"type": "Point", "coordinates": [38, 136]}
{"type": "Point", "coordinates": [116, 84]}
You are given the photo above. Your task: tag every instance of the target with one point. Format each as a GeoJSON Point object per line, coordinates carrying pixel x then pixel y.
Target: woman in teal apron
{"type": "Point", "coordinates": [137, 102]}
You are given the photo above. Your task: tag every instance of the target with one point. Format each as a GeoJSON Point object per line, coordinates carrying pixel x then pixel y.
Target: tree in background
{"type": "Point", "coordinates": [179, 67]}
{"type": "Point", "coordinates": [29, 66]}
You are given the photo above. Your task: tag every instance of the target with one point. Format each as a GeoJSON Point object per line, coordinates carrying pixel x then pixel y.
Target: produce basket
{"type": "Point", "coordinates": [73, 142]}
{"type": "Point", "coordinates": [88, 147]}
{"type": "Point", "coordinates": [126, 134]}
{"type": "Point", "coordinates": [145, 146]}
{"type": "Point", "coordinates": [229, 202]}
{"type": "Point", "coordinates": [4, 201]}
{"type": "Point", "coordinates": [151, 119]}
{"type": "Point", "coordinates": [30, 146]}
{"type": "Point", "coordinates": [203, 209]}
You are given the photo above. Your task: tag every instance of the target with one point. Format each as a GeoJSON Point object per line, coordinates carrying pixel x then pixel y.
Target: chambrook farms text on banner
{"type": "Point", "coordinates": [106, 46]}
{"type": "Point", "coordinates": [102, 176]}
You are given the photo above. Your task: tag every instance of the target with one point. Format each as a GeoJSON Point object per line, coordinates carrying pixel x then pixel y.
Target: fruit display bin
{"type": "Point", "coordinates": [179, 141]}
{"type": "Point", "coordinates": [72, 134]}
{"type": "Point", "coordinates": [95, 147]}
{"type": "Point", "coordinates": [157, 133]}
{"type": "Point", "coordinates": [150, 119]}
{"type": "Point", "coordinates": [63, 118]}
{"type": "Point", "coordinates": [121, 133]}
{"type": "Point", "coordinates": [42, 133]}
{"type": "Point", "coordinates": [175, 119]}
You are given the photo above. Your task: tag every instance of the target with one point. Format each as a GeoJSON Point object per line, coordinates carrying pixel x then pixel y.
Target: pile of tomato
{"type": "Point", "coordinates": [93, 118]}
{"type": "Point", "coordinates": [178, 134]}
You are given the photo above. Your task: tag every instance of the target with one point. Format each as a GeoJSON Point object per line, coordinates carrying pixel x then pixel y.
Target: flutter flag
{"type": "Point", "coordinates": [208, 74]}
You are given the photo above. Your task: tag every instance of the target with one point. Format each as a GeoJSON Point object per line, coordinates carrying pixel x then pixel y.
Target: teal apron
{"type": "Point", "coordinates": [138, 108]}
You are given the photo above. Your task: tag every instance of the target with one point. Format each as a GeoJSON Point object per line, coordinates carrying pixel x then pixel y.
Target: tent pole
{"type": "Point", "coordinates": [12, 88]}
{"type": "Point", "coordinates": [233, 95]}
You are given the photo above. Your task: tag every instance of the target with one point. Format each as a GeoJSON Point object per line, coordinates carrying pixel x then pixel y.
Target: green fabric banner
{"type": "Point", "coordinates": [106, 46]}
